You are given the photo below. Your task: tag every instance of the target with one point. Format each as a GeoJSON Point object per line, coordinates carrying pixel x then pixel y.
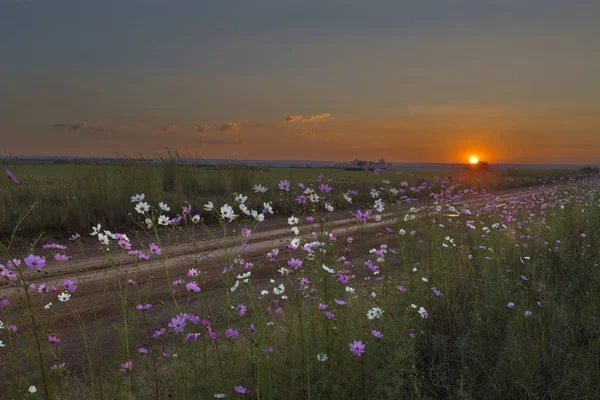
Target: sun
{"type": "Point", "coordinates": [473, 160]}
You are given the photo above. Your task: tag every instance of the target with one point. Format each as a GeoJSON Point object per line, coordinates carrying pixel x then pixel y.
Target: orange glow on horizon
{"type": "Point", "coordinates": [473, 160]}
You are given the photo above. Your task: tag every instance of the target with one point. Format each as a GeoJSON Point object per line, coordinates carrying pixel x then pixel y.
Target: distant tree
{"type": "Point", "coordinates": [359, 163]}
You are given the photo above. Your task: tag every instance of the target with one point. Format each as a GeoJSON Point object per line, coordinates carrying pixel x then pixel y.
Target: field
{"type": "Point", "coordinates": [317, 283]}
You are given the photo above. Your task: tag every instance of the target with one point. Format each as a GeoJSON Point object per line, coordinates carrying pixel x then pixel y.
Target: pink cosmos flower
{"type": "Point", "coordinates": [357, 348]}
{"type": "Point", "coordinates": [35, 262]}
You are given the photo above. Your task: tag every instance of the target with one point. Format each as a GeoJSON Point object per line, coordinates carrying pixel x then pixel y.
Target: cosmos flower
{"type": "Point", "coordinates": [35, 262]}
{"type": "Point", "coordinates": [357, 348]}
{"type": "Point", "coordinates": [64, 297]}
{"type": "Point", "coordinates": [69, 285]}
{"type": "Point", "coordinates": [11, 176]}
{"type": "Point", "coordinates": [374, 313]}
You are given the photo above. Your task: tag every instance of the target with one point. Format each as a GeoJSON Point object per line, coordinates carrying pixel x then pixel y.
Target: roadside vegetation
{"type": "Point", "coordinates": [465, 295]}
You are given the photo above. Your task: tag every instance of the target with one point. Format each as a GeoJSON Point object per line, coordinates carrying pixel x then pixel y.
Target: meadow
{"type": "Point", "coordinates": [233, 282]}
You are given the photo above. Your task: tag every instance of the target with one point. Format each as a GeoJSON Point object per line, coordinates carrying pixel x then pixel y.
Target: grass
{"type": "Point", "coordinates": [539, 253]}
{"type": "Point", "coordinates": [70, 198]}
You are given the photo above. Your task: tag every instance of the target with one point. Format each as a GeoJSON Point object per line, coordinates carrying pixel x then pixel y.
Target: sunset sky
{"type": "Point", "coordinates": [419, 81]}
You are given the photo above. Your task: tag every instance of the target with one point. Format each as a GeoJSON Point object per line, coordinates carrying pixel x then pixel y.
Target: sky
{"type": "Point", "coordinates": [408, 81]}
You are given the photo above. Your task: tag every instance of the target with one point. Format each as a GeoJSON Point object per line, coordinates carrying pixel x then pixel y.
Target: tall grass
{"type": "Point", "coordinates": [466, 296]}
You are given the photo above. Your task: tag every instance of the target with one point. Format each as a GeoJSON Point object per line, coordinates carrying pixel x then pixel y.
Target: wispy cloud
{"type": "Point", "coordinates": [74, 126]}
{"type": "Point", "coordinates": [202, 128]}
{"type": "Point", "coordinates": [300, 118]}
{"type": "Point", "coordinates": [221, 141]}
{"type": "Point", "coordinates": [228, 126]}
{"type": "Point", "coordinates": [293, 118]}
{"type": "Point", "coordinates": [317, 117]}
{"type": "Point", "coordinates": [169, 129]}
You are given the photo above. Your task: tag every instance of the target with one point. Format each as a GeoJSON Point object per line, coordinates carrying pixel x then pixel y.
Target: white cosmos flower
{"type": "Point", "coordinates": [329, 207]}
{"type": "Point", "coordinates": [149, 223]}
{"type": "Point", "coordinates": [314, 198]}
{"type": "Point", "coordinates": [240, 198]}
{"type": "Point", "coordinates": [244, 275]}
{"type": "Point", "coordinates": [64, 297]}
{"type": "Point", "coordinates": [284, 271]}
{"type": "Point", "coordinates": [267, 208]}
{"type": "Point", "coordinates": [220, 395]}
{"type": "Point", "coordinates": [295, 243]}
{"type": "Point", "coordinates": [142, 207]}
{"type": "Point", "coordinates": [244, 209]}
{"type": "Point", "coordinates": [32, 389]}
{"type": "Point", "coordinates": [279, 289]}
{"type": "Point", "coordinates": [264, 292]}
{"type": "Point", "coordinates": [423, 312]}
{"type": "Point", "coordinates": [293, 220]}
{"type": "Point", "coordinates": [374, 313]}
{"type": "Point", "coordinates": [48, 306]}
{"type": "Point", "coordinates": [402, 232]}
{"type": "Point", "coordinates": [259, 217]}
{"type": "Point", "coordinates": [295, 230]}
{"type": "Point", "coordinates": [102, 238]}
{"type": "Point", "coordinates": [196, 218]}
{"type": "Point", "coordinates": [326, 268]}
{"type": "Point", "coordinates": [209, 206]}
{"type": "Point", "coordinates": [1, 344]}
{"type": "Point", "coordinates": [137, 197]}
{"type": "Point", "coordinates": [424, 279]}
{"type": "Point", "coordinates": [95, 230]}
{"type": "Point", "coordinates": [234, 288]}
{"type": "Point", "coordinates": [259, 189]}
{"type": "Point", "coordinates": [322, 357]}
{"type": "Point", "coordinates": [350, 289]}
{"type": "Point", "coordinates": [227, 212]}
{"type": "Point", "coordinates": [163, 220]}
{"type": "Point", "coordinates": [110, 235]}
{"type": "Point", "coordinates": [164, 206]}
{"type": "Point", "coordinates": [347, 198]}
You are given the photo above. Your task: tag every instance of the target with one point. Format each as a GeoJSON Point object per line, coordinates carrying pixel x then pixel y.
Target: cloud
{"type": "Point", "coordinates": [202, 128]}
{"type": "Point", "coordinates": [75, 126]}
{"type": "Point", "coordinates": [221, 141]}
{"type": "Point", "coordinates": [300, 118]}
{"type": "Point", "coordinates": [228, 126]}
{"type": "Point", "coordinates": [317, 117]}
{"type": "Point", "coordinates": [293, 118]}
{"type": "Point", "coordinates": [169, 129]}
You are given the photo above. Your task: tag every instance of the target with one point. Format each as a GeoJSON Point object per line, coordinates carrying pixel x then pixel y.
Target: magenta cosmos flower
{"type": "Point", "coordinates": [357, 348]}
{"type": "Point", "coordinates": [11, 176]}
{"type": "Point", "coordinates": [69, 285]}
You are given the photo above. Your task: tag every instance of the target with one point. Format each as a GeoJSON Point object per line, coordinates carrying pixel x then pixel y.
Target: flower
{"type": "Point", "coordinates": [126, 367]}
{"type": "Point", "coordinates": [137, 198]}
{"type": "Point", "coordinates": [357, 348]}
{"type": "Point", "coordinates": [293, 220]}
{"type": "Point", "coordinates": [164, 206]}
{"type": "Point", "coordinates": [177, 324]}
{"type": "Point", "coordinates": [232, 334]}
{"type": "Point", "coordinates": [322, 357]}
{"type": "Point", "coordinates": [510, 304]}
{"type": "Point", "coordinates": [69, 285]}
{"type": "Point", "coordinates": [64, 297]}
{"type": "Point", "coordinates": [423, 312]}
{"type": "Point", "coordinates": [241, 309]}
{"type": "Point", "coordinates": [53, 339]}
{"type": "Point", "coordinates": [528, 314]}
{"type": "Point", "coordinates": [259, 189]}
{"type": "Point", "coordinates": [32, 389]}
{"type": "Point", "coordinates": [163, 220]}
{"type": "Point", "coordinates": [35, 262]}
{"type": "Point", "coordinates": [13, 178]}
{"type": "Point", "coordinates": [284, 185]}
{"type": "Point", "coordinates": [241, 389]}
{"type": "Point", "coordinates": [142, 207]}
{"type": "Point", "coordinates": [192, 287]}
{"type": "Point", "coordinates": [377, 334]}
{"type": "Point", "coordinates": [374, 313]}
{"type": "Point", "coordinates": [146, 307]}
{"type": "Point", "coordinates": [209, 206]}
{"type": "Point", "coordinates": [227, 212]}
